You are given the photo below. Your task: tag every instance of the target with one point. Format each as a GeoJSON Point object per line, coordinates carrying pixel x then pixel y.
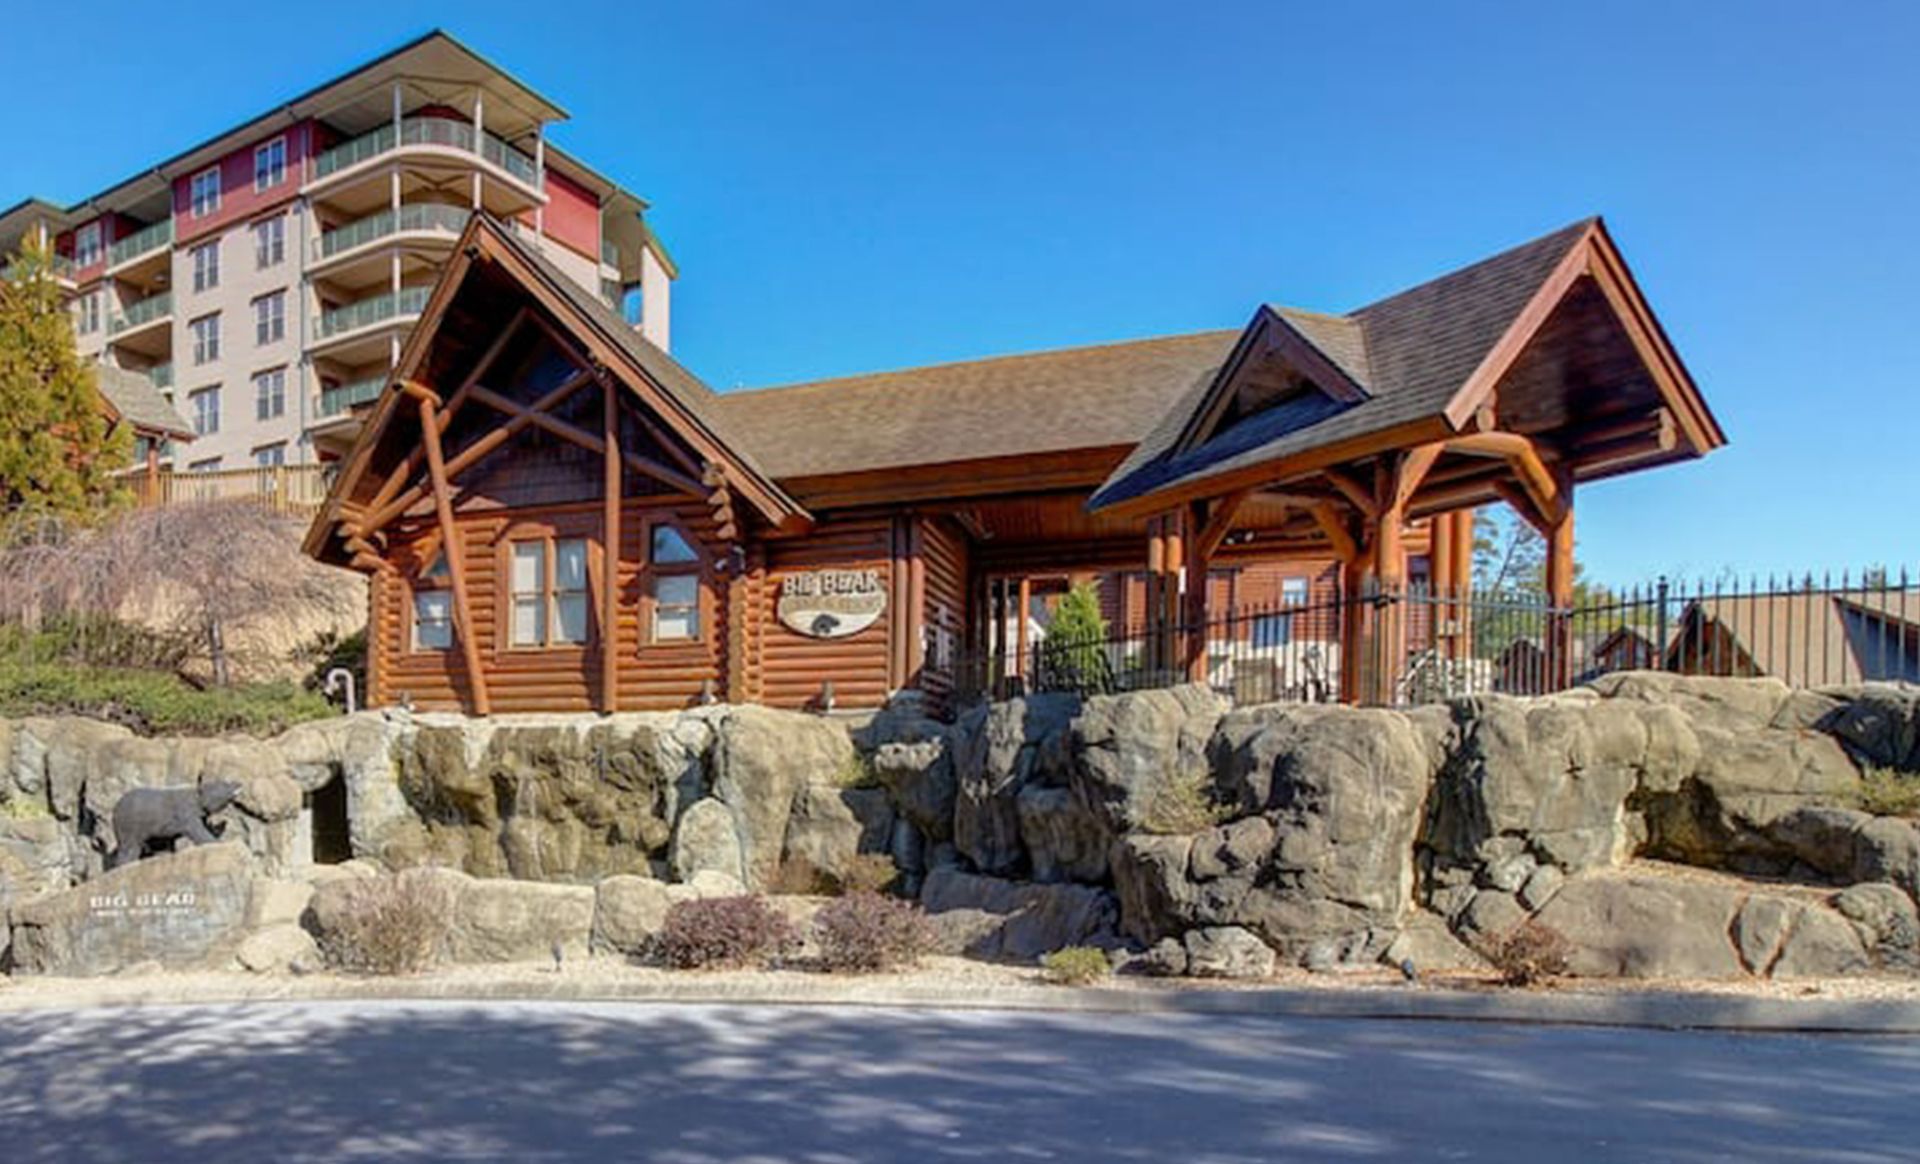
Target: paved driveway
{"type": "Point", "coordinates": [530, 1082]}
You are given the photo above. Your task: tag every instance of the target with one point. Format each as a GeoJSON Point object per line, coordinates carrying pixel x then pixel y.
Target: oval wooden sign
{"type": "Point", "coordinates": [831, 604]}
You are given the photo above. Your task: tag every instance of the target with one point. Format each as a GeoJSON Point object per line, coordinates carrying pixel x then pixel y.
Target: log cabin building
{"type": "Point", "coordinates": [555, 515]}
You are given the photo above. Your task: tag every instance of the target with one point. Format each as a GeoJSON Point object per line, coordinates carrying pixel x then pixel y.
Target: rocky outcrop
{"type": "Point", "coordinates": [987, 917]}
{"type": "Point", "coordinates": [998, 749]}
{"type": "Point", "coordinates": [186, 910]}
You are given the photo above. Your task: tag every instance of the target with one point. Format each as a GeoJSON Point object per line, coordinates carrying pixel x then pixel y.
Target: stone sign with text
{"type": "Point", "coordinates": [182, 910]}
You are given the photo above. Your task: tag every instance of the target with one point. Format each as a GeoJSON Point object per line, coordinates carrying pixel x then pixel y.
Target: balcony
{"type": "Point", "coordinates": [420, 217]}
{"type": "Point", "coordinates": [144, 326]}
{"type": "Point", "coordinates": [141, 247]}
{"type": "Point", "coordinates": [161, 375]}
{"type": "Point", "coordinates": [368, 312]}
{"type": "Point", "coordinates": [435, 137]}
{"type": "Point", "coordinates": [342, 399]}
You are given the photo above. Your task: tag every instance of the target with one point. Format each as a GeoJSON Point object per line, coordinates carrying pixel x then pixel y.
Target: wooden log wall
{"type": "Point", "coordinates": [793, 665]}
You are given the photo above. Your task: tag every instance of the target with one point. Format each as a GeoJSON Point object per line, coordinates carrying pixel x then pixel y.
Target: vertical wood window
{"type": "Point", "coordinates": [548, 579]}
{"type": "Point", "coordinates": [433, 608]}
{"type": "Point", "coordinates": [675, 586]}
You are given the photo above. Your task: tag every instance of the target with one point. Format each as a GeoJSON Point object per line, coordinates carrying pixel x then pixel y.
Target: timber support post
{"type": "Point", "coordinates": [450, 539]}
{"type": "Point", "coordinates": [612, 488]}
{"type": "Point", "coordinates": [1560, 568]}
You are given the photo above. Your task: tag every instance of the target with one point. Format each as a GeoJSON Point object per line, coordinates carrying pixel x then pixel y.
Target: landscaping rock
{"type": "Point", "coordinates": [920, 779]}
{"type": "Point", "coordinates": [1062, 839]}
{"type": "Point", "coordinates": [1879, 724]}
{"type": "Point", "coordinates": [997, 749]}
{"type": "Point", "coordinates": [1820, 944]}
{"type": "Point", "coordinates": [823, 830]}
{"type": "Point", "coordinates": [1540, 886]}
{"type": "Point", "coordinates": [275, 902]}
{"type": "Point", "coordinates": [628, 913]}
{"type": "Point", "coordinates": [763, 760]}
{"type": "Point", "coordinates": [1227, 952]}
{"type": "Point", "coordinates": [1492, 915]}
{"type": "Point", "coordinates": [1131, 749]}
{"type": "Point", "coordinates": [1887, 922]}
{"type": "Point", "coordinates": [185, 910]}
{"type": "Point", "coordinates": [705, 840]}
{"type": "Point", "coordinates": [1640, 926]}
{"type": "Point", "coordinates": [1030, 919]}
{"type": "Point", "coordinates": [1759, 929]}
{"type": "Point", "coordinates": [520, 921]}
{"type": "Point", "coordinates": [279, 949]}
{"type": "Point", "coordinates": [1425, 941]}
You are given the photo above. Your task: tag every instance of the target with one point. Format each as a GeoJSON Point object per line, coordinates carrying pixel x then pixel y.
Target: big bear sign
{"type": "Point", "coordinates": [831, 604]}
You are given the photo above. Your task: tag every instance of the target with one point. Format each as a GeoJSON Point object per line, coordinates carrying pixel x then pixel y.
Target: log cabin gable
{"type": "Point", "coordinates": [1277, 362]}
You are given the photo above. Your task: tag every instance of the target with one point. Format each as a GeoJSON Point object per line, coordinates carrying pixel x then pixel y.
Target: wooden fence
{"type": "Point", "coordinates": [290, 489]}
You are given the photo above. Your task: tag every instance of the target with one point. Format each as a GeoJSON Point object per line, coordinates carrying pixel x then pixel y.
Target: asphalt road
{"type": "Point", "coordinates": [302, 1082]}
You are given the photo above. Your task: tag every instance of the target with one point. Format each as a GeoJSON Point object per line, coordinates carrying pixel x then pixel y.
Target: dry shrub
{"type": "Point", "coordinates": [796, 876]}
{"type": "Point", "coordinates": [392, 924]}
{"type": "Point", "coordinates": [1076, 966]}
{"type": "Point", "coordinates": [1885, 792]}
{"type": "Point", "coordinates": [723, 932]}
{"type": "Point", "coordinates": [1184, 804]}
{"type": "Point", "coordinates": [869, 873]}
{"type": "Point", "coordinates": [1530, 953]}
{"type": "Point", "coordinates": [865, 932]}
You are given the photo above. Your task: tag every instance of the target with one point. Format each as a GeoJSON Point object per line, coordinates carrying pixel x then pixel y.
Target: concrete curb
{"type": "Point", "coordinates": [1649, 1010]}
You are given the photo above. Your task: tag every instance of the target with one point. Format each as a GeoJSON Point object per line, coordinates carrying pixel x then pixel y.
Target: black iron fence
{"type": "Point", "coordinates": [1419, 645]}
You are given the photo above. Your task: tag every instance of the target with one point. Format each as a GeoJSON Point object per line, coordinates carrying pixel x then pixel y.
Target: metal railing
{"type": "Point", "coordinates": [148, 238]}
{"type": "Point", "coordinates": [340, 399]}
{"type": "Point", "coordinates": [292, 489]}
{"type": "Point", "coordinates": [438, 131]}
{"type": "Point", "coordinates": [416, 217]}
{"type": "Point", "coordinates": [1415, 645]}
{"type": "Point", "coordinates": [367, 312]}
{"type": "Point", "coordinates": [161, 375]}
{"type": "Point", "coordinates": [140, 312]}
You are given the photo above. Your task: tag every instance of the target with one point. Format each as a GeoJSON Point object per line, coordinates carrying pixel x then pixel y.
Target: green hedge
{"type": "Point", "coordinates": [155, 702]}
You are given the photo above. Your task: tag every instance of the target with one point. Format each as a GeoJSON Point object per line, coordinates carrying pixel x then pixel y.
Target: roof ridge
{"type": "Point", "coordinates": [1006, 357]}
{"type": "Point", "coordinates": [1498, 256]}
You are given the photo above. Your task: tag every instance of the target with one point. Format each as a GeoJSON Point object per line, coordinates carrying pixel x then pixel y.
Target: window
{"type": "Point", "coordinates": [86, 313]}
{"type": "Point", "coordinates": [269, 242]}
{"type": "Point", "coordinates": [268, 456]}
{"type": "Point", "coordinates": [1293, 591]}
{"type": "Point", "coordinates": [549, 583]}
{"type": "Point", "coordinates": [270, 318]}
{"type": "Point", "coordinates": [270, 164]}
{"type": "Point", "coordinates": [204, 190]}
{"type": "Point", "coordinates": [210, 465]}
{"type": "Point", "coordinates": [433, 608]}
{"type": "Point", "coordinates": [675, 586]}
{"type": "Point", "coordinates": [1272, 630]}
{"type": "Point", "coordinates": [206, 338]}
{"type": "Point", "coordinates": [206, 266]}
{"type": "Point", "coordinates": [270, 394]}
{"type": "Point", "coordinates": [205, 403]}
{"type": "Point", "coordinates": [86, 245]}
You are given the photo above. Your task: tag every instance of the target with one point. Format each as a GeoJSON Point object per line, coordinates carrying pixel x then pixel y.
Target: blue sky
{"type": "Point", "coordinates": [850, 187]}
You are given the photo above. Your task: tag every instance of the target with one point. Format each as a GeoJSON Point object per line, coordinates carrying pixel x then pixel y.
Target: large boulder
{"type": "Point", "coordinates": [998, 749]}
{"type": "Point", "coordinates": [1880, 724]}
{"type": "Point", "coordinates": [628, 914]}
{"type": "Point", "coordinates": [1646, 926]}
{"type": "Point", "coordinates": [1747, 781]}
{"type": "Point", "coordinates": [764, 760]}
{"type": "Point", "coordinates": [704, 839]}
{"type": "Point", "coordinates": [1227, 952]}
{"type": "Point", "coordinates": [185, 910]}
{"type": "Point", "coordinates": [55, 756]}
{"type": "Point", "coordinates": [520, 921]}
{"type": "Point", "coordinates": [33, 858]}
{"type": "Point", "coordinates": [824, 833]}
{"type": "Point", "coordinates": [1134, 752]}
{"type": "Point", "coordinates": [1017, 921]}
{"type": "Point", "coordinates": [1064, 841]}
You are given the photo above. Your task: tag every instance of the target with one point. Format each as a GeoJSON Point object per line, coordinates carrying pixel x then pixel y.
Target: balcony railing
{"type": "Point", "coordinates": [138, 243]}
{"type": "Point", "coordinates": [161, 375]}
{"type": "Point", "coordinates": [366, 312]}
{"type": "Point", "coordinates": [440, 131]}
{"type": "Point", "coordinates": [420, 216]}
{"type": "Point", "coordinates": [142, 311]}
{"type": "Point", "coordinates": [295, 489]}
{"type": "Point", "coordinates": [339, 400]}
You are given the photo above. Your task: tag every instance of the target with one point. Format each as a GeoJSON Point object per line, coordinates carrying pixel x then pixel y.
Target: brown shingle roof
{"type": "Point", "coordinates": [136, 401]}
{"type": "Point", "coordinates": [1417, 348]}
{"type": "Point", "coordinates": [1077, 398]}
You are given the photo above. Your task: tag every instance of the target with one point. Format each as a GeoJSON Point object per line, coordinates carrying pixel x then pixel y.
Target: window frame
{"type": "Point", "coordinates": [277, 378]}
{"type": "Point", "coordinates": [206, 266]}
{"type": "Point", "coordinates": [277, 460]}
{"type": "Point", "coordinates": [431, 577]}
{"type": "Point", "coordinates": [699, 569]}
{"type": "Point", "coordinates": [87, 255]}
{"type": "Point", "coordinates": [207, 465]}
{"type": "Point", "coordinates": [210, 392]}
{"type": "Point", "coordinates": [269, 318]}
{"type": "Point", "coordinates": [276, 167]}
{"type": "Point", "coordinates": [87, 313]}
{"type": "Point", "coordinates": [206, 348]}
{"type": "Point", "coordinates": [269, 242]}
{"type": "Point", "coordinates": [204, 201]}
{"type": "Point", "coordinates": [550, 540]}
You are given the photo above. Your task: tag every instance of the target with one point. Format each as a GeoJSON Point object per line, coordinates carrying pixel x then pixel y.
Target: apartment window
{"type": "Point", "coordinates": [204, 189]}
{"type": "Point", "coordinates": [86, 245]}
{"type": "Point", "coordinates": [675, 586]}
{"type": "Point", "coordinates": [270, 394]}
{"type": "Point", "coordinates": [205, 403]}
{"type": "Point", "coordinates": [206, 338]}
{"type": "Point", "coordinates": [206, 266]}
{"type": "Point", "coordinates": [270, 318]}
{"type": "Point", "coordinates": [270, 164]}
{"type": "Point", "coordinates": [549, 584]}
{"type": "Point", "coordinates": [210, 465]}
{"type": "Point", "coordinates": [433, 608]}
{"type": "Point", "coordinates": [86, 313]}
{"type": "Point", "coordinates": [269, 242]}
{"type": "Point", "coordinates": [269, 456]}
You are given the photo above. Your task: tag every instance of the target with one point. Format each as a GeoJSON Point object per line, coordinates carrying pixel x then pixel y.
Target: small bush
{"type": "Point", "coordinates": [866, 872]}
{"type": "Point", "coordinates": [393, 924]}
{"type": "Point", "coordinates": [1184, 804]}
{"type": "Point", "coordinates": [864, 933]}
{"type": "Point", "coordinates": [857, 772]}
{"type": "Point", "coordinates": [799, 877]}
{"type": "Point", "coordinates": [1885, 792]}
{"type": "Point", "coordinates": [1076, 966]}
{"type": "Point", "coordinates": [1530, 953]}
{"type": "Point", "coordinates": [722, 932]}
{"type": "Point", "coordinates": [155, 702]}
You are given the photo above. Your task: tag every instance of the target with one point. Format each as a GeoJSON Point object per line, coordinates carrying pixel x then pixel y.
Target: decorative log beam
{"type": "Point", "coordinates": [1414, 467]}
{"type": "Point", "coordinates": [397, 479]}
{"type": "Point", "coordinates": [1354, 492]}
{"type": "Point", "coordinates": [1328, 519]}
{"type": "Point", "coordinates": [586, 440]}
{"type": "Point", "coordinates": [1523, 455]}
{"type": "Point", "coordinates": [610, 552]}
{"type": "Point", "coordinates": [1220, 523]}
{"type": "Point", "coordinates": [456, 564]}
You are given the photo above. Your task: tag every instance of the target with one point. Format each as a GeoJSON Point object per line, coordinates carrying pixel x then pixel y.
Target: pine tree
{"type": "Point", "coordinates": [1075, 647]}
{"type": "Point", "coordinates": [58, 454]}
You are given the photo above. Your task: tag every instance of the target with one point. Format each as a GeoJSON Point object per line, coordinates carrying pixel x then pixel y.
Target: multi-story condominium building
{"type": "Point", "coordinates": [265, 279]}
